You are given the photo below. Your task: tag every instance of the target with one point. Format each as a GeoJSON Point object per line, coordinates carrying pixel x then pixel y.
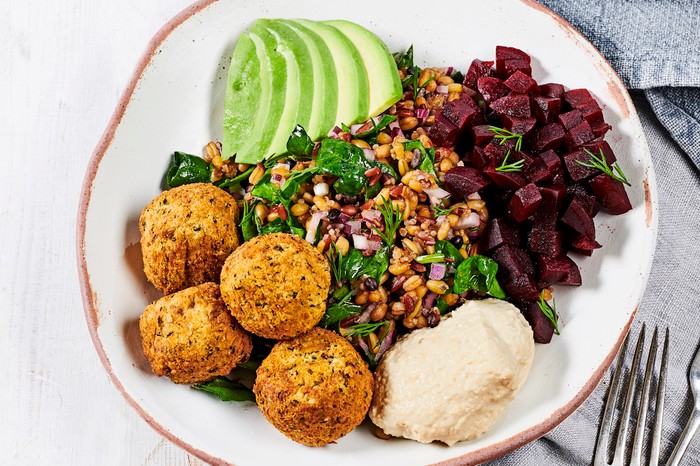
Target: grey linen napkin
{"type": "Point", "coordinates": [655, 47]}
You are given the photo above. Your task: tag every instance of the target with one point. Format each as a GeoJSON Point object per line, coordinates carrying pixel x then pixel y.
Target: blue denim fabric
{"type": "Point", "coordinates": [655, 47]}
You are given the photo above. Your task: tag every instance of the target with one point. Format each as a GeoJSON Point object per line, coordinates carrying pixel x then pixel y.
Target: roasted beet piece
{"type": "Point", "coordinates": [576, 171]}
{"type": "Point", "coordinates": [537, 172]}
{"type": "Point", "coordinates": [579, 192]}
{"type": "Point", "coordinates": [597, 146]}
{"type": "Point", "coordinates": [520, 286]}
{"type": "Point", "coordinates": [542, 327]}
{"type": "Point", "coordinates": [521, 83]}
{"type": "Point", "coordinates": [546, 109]}
{"type": "Point", "coordinates": [552, 90]}
{"type": "Point", "coordinates": [577, 217]}
{"type": "Point", "coordinates": [478, 158]}
{"type": "Point", "coordinates": [611, 194]}
{"type": "Point", "coordinates": [511, 54]}
{"type": "Point", "coordinates": [482, 135]}
{"type": "Point", "coordinates": [499, 231]}
{"type": "Point", "coordinates": [504, 180]}
{"type": "Point", "coordinates": [492, 88]}
{"type": "Point", "coordinates": [513, 66]}
{"type": "Point", "coordinates": [496, 152]}
{"type": "Point", "coordinates": [599, 129]}
{"type": "Point", "coordinates": [591, 111]}
{"type": "Point", "coordinates": [514, 105]}
{"type": "Point", "coordinates": [477, 69]}
{"type": "Point", "coordinates": [578, 135]}
{"type": "Point", "coordinates": [570, 119]}
{"type": "Point", "coordinates": [551, 270]}
{"type": "Point", "coordinates": [542, 220]}
{"type": "Point", "coordinates": [444, 133]}
{"type": "Point", "coordinates": [547, 137]}
{"type": "Point", "coordinates": [460, 112]}
{"type": "Point", "coordinates": [573, 276]}
{"type": "Point", "coordinates": [463, 181]}
{"type": "Point", "coordinates": [514, 260]}
{"type": "Point", "coordinates": [547, 242]}
{"type": "Point", "coordinates": [524, 202]}
{"type": "Point", "coordinates": [577, 97]}
{"type": "Point", "coordinates": [553, 198]}
{"type": "Point", "coordinates": [518, 125]}
{"type": "Point", "coordinates": [584, 245]}
{"type": "Point", "coordinates": [551, 161]}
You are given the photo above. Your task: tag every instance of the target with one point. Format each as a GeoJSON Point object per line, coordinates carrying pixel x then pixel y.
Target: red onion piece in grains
{"type": "Point", "coordinates": [360, 242]}
{"type": "Point", "coordinates": [313, 225]}
{"type": "Point", "coordinates": [436, 195]}
{"type": "Point", "coordinates": [437, 271]}
{"type": "Point", "coordinates": [469, 221]}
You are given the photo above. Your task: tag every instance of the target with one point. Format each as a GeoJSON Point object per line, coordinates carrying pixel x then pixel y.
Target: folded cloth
{"type": "Point", "coordinates": [654, 45]}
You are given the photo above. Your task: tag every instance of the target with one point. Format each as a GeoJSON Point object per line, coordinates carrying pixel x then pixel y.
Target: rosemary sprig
{"type": "Point", "coordinates": [439, 209]}
{"type": "Point", "coordinates": [392, 220]}
{"type": "Point", "coordinates": [510, 167]}
{"type": "Point", "coordinates": [503, 135]}
{"type": "Point", "coordinates": [550, 312]}
{"type": "Point", "coordinates": [430, 258]}
{"type": "Point", "coordinates": [362, 330]}
{"type": "Point", "coordinates": [614, 172]}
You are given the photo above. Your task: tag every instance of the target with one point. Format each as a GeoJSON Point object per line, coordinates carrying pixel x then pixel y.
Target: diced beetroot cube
{"type": "Point", "coordinates": [477, 69]}
{"type": "Point", "coordinates": [545, 108]}
{"type": "Point", "coordinates": [542, 327]}
{"type": "Point", "coordinates": [611, 194]}
{"type": "Point", "coordinates": [546, 242]}
{"type": "Point", "coordinates": [537, 172]}
{"type": "Point", "coordinates": [518, 125]}
{"type": "Point", "coordinates": [499, 231]}
{"type": "Point", "coordinates": [514, 260]}
{"type": "Point", "coordinates": [551, 270]}
{"type": "Point", "coordinates": [547, 137]}
{"type": "Point", "coordinates": [520, 155]}
{"type": "Point", "coordinates": [521, 83]}
{"type": "Point", "coordinates": [577, 171]}
{"type": "Point", "coordinates": [496, 152]}
{"type": "Point", "coordinates": [514, 105]}
{"type": "Point", "coordinates": [577, 217]}
{"type": "Point", "coordinates": [552, 90]}
{"type": "Point", "coordinates": [504, 54]}
{"type": "Point", "coordinates": [460, 111]}
{"type": "Point", "coordinates": [597, 146]}
{"type": "Point", "coordinates": [573, 276]}
{"type": "Point", "coordinates": [571, 119]}
{"type": "Point", "coordinates": [520, 286]}
{"type": "Point", "coordinates": [551, 161]}
{"type": "Point", "coordinates": [524, 202]}
{"type": "Point", "coordinates": [543, 220]}
{"type": "Point", "coordinates": [599, 129]}
{"type": "Point", "coordinates": [579, 192]}
{"type": "Point", "coordinates": [504, 180]}
{"type": "Point", "coordinates": [479, 158]}
{"type": "Point", "coordinates": [482, 135]}
{"type": "Point", "coordinates": [578, 136]}
{"type": "Point", "coordinates": [553, 198]}
{"type": "Point", "coordinates": [513, 66]}
{"type": "Point", "coordinates": [584, 245]}
{"type": "Point", "coordinates": [443, 133]}
{"type": "Point", "coordinates": [463, 181]}
{"type": "Point", "coordinates": [576, 97]}
{"type": "Point", "coordinates": [492, 88]}
{"type": "Point", "coordinates": [591, 111]}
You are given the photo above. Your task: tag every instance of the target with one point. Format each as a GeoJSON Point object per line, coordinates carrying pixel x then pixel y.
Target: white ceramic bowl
{"type": "Point", "coordinates": [174, 102]}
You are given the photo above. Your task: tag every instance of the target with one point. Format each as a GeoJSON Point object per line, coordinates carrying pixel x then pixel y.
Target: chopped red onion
{"type": "Point", "coordinates": [396, 132]}
{"type": "Point", "coordinates": [388, 339]}
{"type": "Point", "coordinates": [436, 195]}
{"type": "Point", "coordinates": [422, 114]}
{"type": "Point", "coordinates": [321, 189]}
{"type": "Point", "coordinates": [369, 154]}
{"type": "Point", "coordinates": [440, 219]}
{"type": "Point", "coordinates": [360, 242]}
{"type": "Point", "coordinates": [473, 197]}
{"type": "Point", "coordinates": [393, 125]}
{"type": "Point", "coordinates": [374, 245]}
{"type": "Point", "coordinates": [354, 128]}
{"type": "Point", "coordinates": [430, 299]}
{"type": "Point", "coordinates": [354, 226]}
{"type": "Point", "coordinates": [313, 225]}
{"type": "Point", "coordinates": [468, 221]}
{"type": "Point", "coordinates": [449, 71]}
{"type": "Point", "coordinates": [371, 215]}
{"type": "Point", "coordinates": [442, 89]}
{"type": "Point", "coordinates": [343, 217]}
{"type": "Point", "coordinates": [437, 271]}
{"type": "Point", "coordinates": [276, 178]}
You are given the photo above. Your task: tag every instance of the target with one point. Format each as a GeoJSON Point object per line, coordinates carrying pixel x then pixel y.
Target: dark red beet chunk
{"type": "Point", "coordinates": [514, 105]}
{"type": "Point", "coordinates": [578, 136]}
{"type": "Point", "coordinates": [499, 231]}
{"type": "Point", "coordinates": [576, 171]}
{"type": "Point", "coordinates": [591, 111]}
{"type": "Point", "coordinates": [478, 158]}
{"type": "Point", "coordinates": [537, 172]}
{"type": "Point", "coordinates": [524, 202]}
{"type": "Point", "coordinates": [577, 97]}
{"type": "Point", "coordinates": [584, 245]}
{"type": "Point", "coordinates": [460, 112]}
{"type": "Point", "coordinates": [573, 276]}
{"type": "Point", "coordinates": [444, 133]}
{"type": "Point", "coordinates": [463, 181]}
{"type": "Point", "coordinates": [551, 161]}
{"type": "Point", "coordinates": [571, 119]}
{"type": "Point", "coordinates": [553, 198]}
{"type": "Point", "coordinates": [551, 270]}
{"type": "Point", "coordinates": [611, 194]}
{"type": "Point", "coordinates": [518, 125]}
{"type": "Point", "coordinates": [542, 327]}
{"type": "Point", "coordinates": [599, 129]}
{"type": "Point", "coordinates": [519, 286]}
{"type": "Point", "coordinates": [547, 137]}
{"type": "Point", "coordinates": [496, 152]}
{"type": "Point", "coordinates": [547, 242]}
{"type": "Point", "coordinates": [514, 260]}
{"type": "Point", "coordinates": [513, 66]}
{"type": "Point", "coordinates": [578, 218]}
{"type": "Point", "coordinates": [504, 54]}
{"type": "Point", "coordinates": [521, 83]}
{"type": "Point", "coordinates": [492, 88]}
{"type": "Point", "coordinates": [597, 146]}
{"type": "Point", "coordinates": [542, 220]}
{"type": "Point", "coordinates": [545, 108]}
{"type": "Point", "coordinates": [482, 135]}
{"type": "Point", "coordinates": [504, 180]}
{"type": "Point", "coordinates": [552, 90]}
{"type": "Point", "coordinates": [477, 69]}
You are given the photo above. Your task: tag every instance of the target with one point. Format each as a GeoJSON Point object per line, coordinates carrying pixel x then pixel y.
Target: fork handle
{"type": "Point", "coordinates": [690, 429]}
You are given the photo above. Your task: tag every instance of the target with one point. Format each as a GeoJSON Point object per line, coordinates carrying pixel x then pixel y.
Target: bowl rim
{"type": "Point", "coordinates": [479, 456]}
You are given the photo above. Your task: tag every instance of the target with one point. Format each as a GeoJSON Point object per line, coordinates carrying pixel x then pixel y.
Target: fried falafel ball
{"type": "Point", "coordinates": [191, 337]}
{"type": "Point", "coordinates": [276, 285]}
{"type": "Point", "coordinates": [186, 235]}
{"type": "Point", "coordinates": [314, 388]}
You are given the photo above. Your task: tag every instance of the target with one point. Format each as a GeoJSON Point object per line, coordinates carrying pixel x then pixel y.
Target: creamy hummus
{"type": "Point", "coordinates": [452, 382]}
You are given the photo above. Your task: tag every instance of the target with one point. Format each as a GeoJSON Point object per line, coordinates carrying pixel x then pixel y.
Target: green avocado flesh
{"type": "Point", "coordinates": [318, 75]}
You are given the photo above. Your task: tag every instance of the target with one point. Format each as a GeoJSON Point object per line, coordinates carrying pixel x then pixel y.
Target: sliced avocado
{"type": "Point", "coordinates": [325, 97]}
{"type": "Point", "coordinates": [385, 85]}
{"type": "Point", "coordinates": [353, 83]}
{"type": "Point", "coordinates": [243, 93]}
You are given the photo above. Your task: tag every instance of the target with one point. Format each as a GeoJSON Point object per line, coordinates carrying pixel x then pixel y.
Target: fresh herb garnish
{"type": "Point", "coordinates": [226, 389]}
{"type": "Point", "coordinates": [614, 172]}
{"type": "Point", "coordinates": [510, 167]}
{"type": "Point", "coordinates": [421, 87]}
{"type": "Point", "coordinates": [404, 60]}
{"type": "Point", "coordinates": [362, 330]}
{"type": "Point", "coordinates": [186, 169]}
{"type": "Point", "coordinates": [550, 312]}
{"type": "Point", "coordinates": [478, 273]}
{"type": "Point", "coordinates": [503, 135]}
{"type": "Point", "coordinates": [339, 311]}
{"type": "Point", "coordinates": [250, 223]}
{"type": "Point", "coordinates": [439, 210]}
{"type": "Point", "coordinates": [299, 143]}
{"type": "Point", "coordinates": [346, 161]}
{"type": "Point", "coordinates": [354, 264]}
{"type": "Point", "coordinates": [234, 184]}
{"type": "Point", "coordinates": [427, 163]}
{"type": "Point", "coordinates": [392, 220]}
{"type": "Point", "coordinates": [450, 251]}
{"type": "Point", "coordinates": [371, 135]}
{"type": "Point", "coordinates": [430, 258]}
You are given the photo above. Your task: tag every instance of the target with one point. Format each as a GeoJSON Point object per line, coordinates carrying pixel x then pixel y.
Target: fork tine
{"type": "Point", "coordinates": [619, 458]}
{"type": "Point", "coordinates": [659, 410]}
{"type": "Point", "coordinates": [636, 458]}
{"type": "Point", "coordinates": [601, 450]}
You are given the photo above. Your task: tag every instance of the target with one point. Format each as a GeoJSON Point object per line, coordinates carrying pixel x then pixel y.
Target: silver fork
{"type": "Point", "coordinates": [693, 423]}
{"type": "Point", "coordinates": [607, 423]}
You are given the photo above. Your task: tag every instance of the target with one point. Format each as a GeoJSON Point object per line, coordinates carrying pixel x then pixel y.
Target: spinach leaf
{"type": "Point", "coordinates": [371, 135]}
{"type": "Point", "coordinates": [265, 188]}
{"type": "Point", "coordinates": [234, 184]}
{"type": "Point", "coordinates": [441, 305]}
{"type": "Point", "coordinates": [276, 226]}
{"type": "Point", "coordinates": [299, 143]}
{"type": "Point", "coordinates": [427, 163]}
{"type": "Point", "coordinates": [226, 389]}
{"type": "Point", "coordinates": [186, 169]}
{"type": "Point", "coordinates": [377, 264]}
{"type": "Point", "coordinates": [478, 273]}
{"type": "Point", "coordinates": [457, 77]}
{"type": "Point", "coordinates": [337, 312]}
{"type": "Point", "coordinates": [353, 265]}
{"type": "Point", "coordinates": [404, 60]}
{"type": "Point", "coordinates": [250, 223]}
{"type": "Point", "coordinates": [347, 162]}
{"type": "Point", "coordinates": [449, 250]}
